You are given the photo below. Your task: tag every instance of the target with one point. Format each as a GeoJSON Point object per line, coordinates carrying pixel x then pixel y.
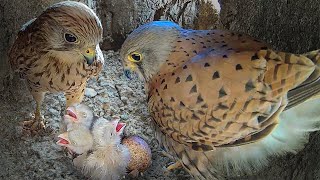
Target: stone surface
{"type": "Point", "coordinates": [120, 17]}
{"type": "Point", "coordinates": [89, 92]}
{"type": "Point", "coordinates": [290, 25]}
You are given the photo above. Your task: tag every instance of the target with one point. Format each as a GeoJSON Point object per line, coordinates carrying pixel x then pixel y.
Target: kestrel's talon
{"type": "Point", "coordinates": [172, 167]}
{"type": "Point", "coordinates": [33, 126]}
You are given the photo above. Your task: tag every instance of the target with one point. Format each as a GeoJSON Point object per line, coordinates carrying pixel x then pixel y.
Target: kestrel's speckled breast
{"type": "Point", "coordinates": [53, 76]}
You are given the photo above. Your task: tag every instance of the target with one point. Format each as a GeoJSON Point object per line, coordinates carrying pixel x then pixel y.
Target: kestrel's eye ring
{"type": "Point", "coordinates": [70, 38]}
{"type": "Point", "coordinates": [135, 57]}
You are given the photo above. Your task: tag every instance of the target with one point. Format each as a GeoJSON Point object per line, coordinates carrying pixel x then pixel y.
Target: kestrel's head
{"type": "Point", "coordinates": [68, 30]}
{"type": "Point", "coordinates": [148, 47]}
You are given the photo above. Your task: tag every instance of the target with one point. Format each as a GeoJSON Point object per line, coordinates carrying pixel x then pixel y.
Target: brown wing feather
{"type": "Point", "coordinates": [225, 96]}
{"type": "Point", "coordinates": [16, 57]}
{"type": "Point", "coordinates": [310, 87]}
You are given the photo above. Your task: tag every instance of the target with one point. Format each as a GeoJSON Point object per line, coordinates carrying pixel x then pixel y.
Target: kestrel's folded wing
{"type": "Point", "coordinates": [225, 97]}
{"type": "Point", "coordinates": [16, 58]}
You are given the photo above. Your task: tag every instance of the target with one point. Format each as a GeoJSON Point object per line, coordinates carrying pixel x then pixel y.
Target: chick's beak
{"type": "Point", "coordinates": [118, 125]}
{"type": "Point", "coordinates": [63, 139]}
{"type": "Point", "coordinates": [89, 55]}
{"type": "Point", "coordinates": [71, 114]}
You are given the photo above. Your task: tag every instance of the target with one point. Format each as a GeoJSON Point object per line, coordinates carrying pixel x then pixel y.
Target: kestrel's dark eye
{"type": "Point", "coordinates": [135, 57]}
{"type": "Point", "coordinates": [70, 38]}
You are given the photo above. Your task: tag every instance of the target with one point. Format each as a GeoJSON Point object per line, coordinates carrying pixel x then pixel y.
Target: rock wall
{"type": "Point", "coordinates": [291, 25]}
{"type": "Point", "coordinates": [120, 17]}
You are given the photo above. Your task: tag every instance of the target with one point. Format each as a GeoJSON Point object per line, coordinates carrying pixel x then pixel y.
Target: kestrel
{"type": "Point", "coordinates": [58, 52]}
{"type": "Point", "coordinates": [215, 96]}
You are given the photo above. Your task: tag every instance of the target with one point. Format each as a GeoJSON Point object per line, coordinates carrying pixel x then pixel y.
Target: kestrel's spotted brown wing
{"type": "Point", "coordinates": [229, 94]}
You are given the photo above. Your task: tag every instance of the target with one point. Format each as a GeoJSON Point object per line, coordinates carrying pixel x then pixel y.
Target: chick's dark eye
{"type": "Point", "coordinates": [70, 38]}
{"type": "Point", "coordinates": [136, 57]}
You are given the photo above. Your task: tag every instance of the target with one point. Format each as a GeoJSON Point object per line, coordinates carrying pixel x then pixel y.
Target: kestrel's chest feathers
{"type": "Point", "coordinates": [50, 74]}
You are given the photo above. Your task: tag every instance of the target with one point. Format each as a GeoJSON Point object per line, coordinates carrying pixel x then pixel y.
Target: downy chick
{"type": "Point", "coordinates": [77, 115]}
{"type": "Point", "coordinates": [109, 158]}
{"type": "Point", "coordinates": [77, 140]}
{"type": "Point", "coordinates": [75, 130]}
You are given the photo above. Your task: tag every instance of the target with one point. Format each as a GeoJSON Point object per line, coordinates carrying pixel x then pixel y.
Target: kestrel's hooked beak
{"type": "Point", "coordinates": [89, 55]}
{"type": "Point", "coordinates": [129, 68]}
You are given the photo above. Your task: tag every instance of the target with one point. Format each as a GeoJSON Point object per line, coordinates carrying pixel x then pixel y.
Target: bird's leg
{"type": "Point", "coordinates": [173, 166]}
{"type": "Point", "coordinates": [72, 98]}
{"type": "Point", "coordinates": [36, 124]}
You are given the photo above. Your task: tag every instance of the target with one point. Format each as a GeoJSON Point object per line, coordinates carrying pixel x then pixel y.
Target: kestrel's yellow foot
{"type": "Point", "coordinates": [173, 166]}
{"type": "Point", "coordinates": [33, 126]}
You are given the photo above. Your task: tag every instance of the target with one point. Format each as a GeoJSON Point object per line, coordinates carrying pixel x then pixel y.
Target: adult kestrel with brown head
{"type": "Point", "coordinates": [58, 52]}
{"type": "Point", "coordinates": [215, 96]}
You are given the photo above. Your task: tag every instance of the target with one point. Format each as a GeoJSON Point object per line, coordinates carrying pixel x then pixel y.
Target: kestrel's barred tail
{"type": "Point", "coordinates": [315, 58]}
{"type": "Point", "coordinates": [310, 88]}
{"type": "Point", "coordinates": [286, 71]}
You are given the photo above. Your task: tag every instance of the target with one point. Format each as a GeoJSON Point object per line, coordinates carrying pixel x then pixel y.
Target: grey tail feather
{"type": "Point", "coordinates": [310, 87]}
{"type": "Point", "coordinates": [302, 93]}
